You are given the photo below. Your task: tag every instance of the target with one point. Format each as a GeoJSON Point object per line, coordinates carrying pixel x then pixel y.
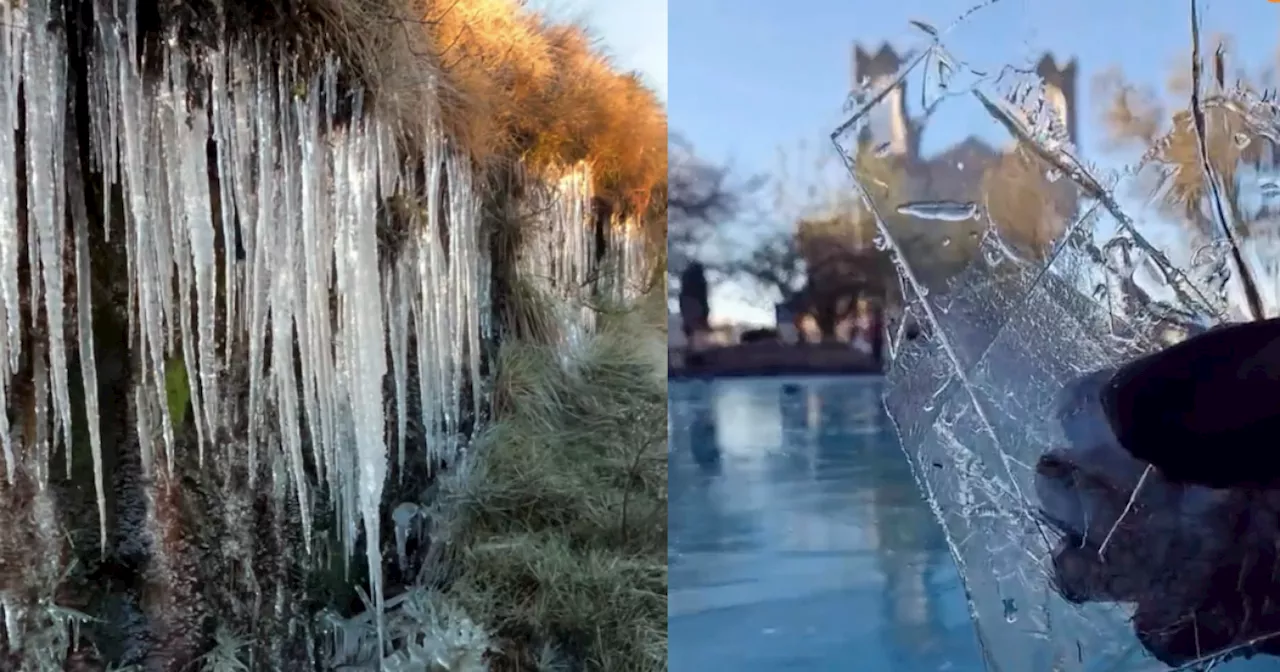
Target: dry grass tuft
{"type": "Point", "coordinates": [511, 86]}
{"type": "Point", "coordinates": [559, 543]}
{"type": "Point", "coordinates": [506, 83]}
{"type": "Point", "coordinates": [526, 88]}
{"type": "Point", "coordinates": [529, 315]}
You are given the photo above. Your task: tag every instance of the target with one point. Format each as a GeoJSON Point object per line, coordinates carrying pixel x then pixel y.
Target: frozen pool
{"type": "Point", "coordinates": [799, 540]}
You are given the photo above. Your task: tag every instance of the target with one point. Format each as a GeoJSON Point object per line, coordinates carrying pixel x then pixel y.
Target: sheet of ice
{"type": "Point", "coordinates": [975, 397]}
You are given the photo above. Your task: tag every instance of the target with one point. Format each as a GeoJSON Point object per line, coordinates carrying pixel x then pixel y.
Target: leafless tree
{"type": "Point", "coordinates": [1202, 157]}
{"type": "Point", "coordinates": [701, 200]}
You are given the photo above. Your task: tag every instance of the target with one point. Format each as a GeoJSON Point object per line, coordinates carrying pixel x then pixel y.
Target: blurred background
{"type": "Point", "coordinates": [1007, 148]}
{"type": "Point", "coordinates": [760, 198]}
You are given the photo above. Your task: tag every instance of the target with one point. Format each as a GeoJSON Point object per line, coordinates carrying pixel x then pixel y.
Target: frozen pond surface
{"type": "Point", "coordinates": [798, 538]}
{"type": "Point", "coordinates": [800, 541]}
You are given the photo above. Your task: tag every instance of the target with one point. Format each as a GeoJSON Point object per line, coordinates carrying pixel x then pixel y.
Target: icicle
{"type": "Point", "coordinates": [431, 333]}
{"type": "Point", "coordinates": [312, 319]}
{"type": "Point", "coordinates": [105, 88]}
{"type": "Point", "coordinates": [560, 251]}
{"type": "Point", "coordinates": [425, 342]}
{"type": "Point", "coordinates": [171, 120]}
{"type": "Point", "coordinates": [241, 140]}
{"type": "Point", "coordinates": [364, 342]}
{"type": "Point", "coordinates": [284, 303]}
{"type": "Point", "coordinates": [11, 35]}
{"type": "Point", "coordinates": [464, 260]}
{"type": "Point", "coordinates": [459, 188]}
{"type": "Point", "coordinates": [11, 613]}
{"type": "Point", "coordinates": [195, 177]}
{"type": "Point", "coordinates": [46, 85]}
{"type": "Point", "coordinates": [303, 293]}
{"type": "Point", "coordinates": [84, 313]}
{"type": "Point", "coordinates": [144, 219]}
{"type": "Point", "coordinates": [220, 102]}
{"type": "Point", "coordinates": [260, 251]}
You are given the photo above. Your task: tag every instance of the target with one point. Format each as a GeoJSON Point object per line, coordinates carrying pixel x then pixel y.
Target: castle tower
{"type": "Point", "coordinates": [1060, 92]}
{"type": "Point", "coordinates": [877, 70]}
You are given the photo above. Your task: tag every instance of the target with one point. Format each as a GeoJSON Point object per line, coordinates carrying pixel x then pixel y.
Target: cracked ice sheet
{"type": "Point", "coordinates": [975, 397]}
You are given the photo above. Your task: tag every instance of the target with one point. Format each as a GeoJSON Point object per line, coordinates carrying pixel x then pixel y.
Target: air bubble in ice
{"type": "Point", "coordinates": [925, 28]}
{"type": "Point", "coordinates": [946, 211]}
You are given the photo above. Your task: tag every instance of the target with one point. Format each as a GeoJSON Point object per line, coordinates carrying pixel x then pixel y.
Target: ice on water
{"type": "Point", "coordinates": [973, 398]}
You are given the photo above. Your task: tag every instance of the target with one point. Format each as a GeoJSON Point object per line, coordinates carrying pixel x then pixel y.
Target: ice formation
{"type": "Point", "coordinates": [629, 260]}
{"type": "Point", "coordinates": [972, 397]}
{"type": "Point", "coordinates": [279, 258]}
{"type": "Point", "coordinates": [561, 253]}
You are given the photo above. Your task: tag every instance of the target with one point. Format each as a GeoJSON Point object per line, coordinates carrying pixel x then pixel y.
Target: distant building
{"type": "Point", "coordinates": [957, 173]}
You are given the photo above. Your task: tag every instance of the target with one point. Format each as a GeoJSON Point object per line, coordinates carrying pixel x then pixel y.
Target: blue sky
{"type": "Point", "coordinates": [750, 77]}
{"type": "Point", "coordinates": [634, 31]}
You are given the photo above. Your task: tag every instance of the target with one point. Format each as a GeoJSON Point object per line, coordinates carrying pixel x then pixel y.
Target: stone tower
{"type": "Point", "coordinates": [1060, 92]}
{"type": "Point", "coordinates": [875, 70]}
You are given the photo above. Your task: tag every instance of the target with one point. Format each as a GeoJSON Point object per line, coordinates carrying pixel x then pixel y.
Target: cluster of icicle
{"type": "Point", "coordinates": [560, 253]}
{"type": "Point", "coordinates": [560, 246]}
{"type": "Point", "coordinates": [632, 260]}
{"type": "Point", "coordinates": [302, 195]}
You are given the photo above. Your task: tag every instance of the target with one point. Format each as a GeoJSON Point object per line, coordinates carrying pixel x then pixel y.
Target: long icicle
{"type": "Point", "coordinates": [11, 34]}
{"type": "Point", "coordinates": [84, 313]}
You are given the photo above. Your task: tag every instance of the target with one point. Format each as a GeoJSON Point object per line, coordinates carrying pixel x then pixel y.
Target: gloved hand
{"type": "Point", "coordinates": [1194, 430]}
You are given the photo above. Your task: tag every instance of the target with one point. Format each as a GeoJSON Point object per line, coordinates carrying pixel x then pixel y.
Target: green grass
{"type": "Point", "coordinates": [549, 542]}
{"type": "Point", "coordinates": [560, 535]}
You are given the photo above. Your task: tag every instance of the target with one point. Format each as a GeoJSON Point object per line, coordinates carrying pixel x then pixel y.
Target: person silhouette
{"type": "Point", "coordinates": [705, 440]}
{"type": "Point", "coordinates": [1167, 494]}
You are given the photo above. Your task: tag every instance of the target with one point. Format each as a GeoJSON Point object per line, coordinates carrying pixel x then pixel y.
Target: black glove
{"type": "Point", "coordinates": [1204, 411]}
{"type": "Point", "coordinates": [1196, 549]}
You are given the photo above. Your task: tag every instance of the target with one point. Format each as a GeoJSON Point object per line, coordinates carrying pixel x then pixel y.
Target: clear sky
{"type": "Point", "coordinates": [633, 31]}
{"type": "Point", "coordinates": [749, 77]}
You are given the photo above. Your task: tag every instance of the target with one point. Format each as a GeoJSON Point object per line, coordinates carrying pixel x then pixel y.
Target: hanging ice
{"type": "Point", "coordinates": [250, 211]}
{"type": "Point", "coordinates": [559, 255]}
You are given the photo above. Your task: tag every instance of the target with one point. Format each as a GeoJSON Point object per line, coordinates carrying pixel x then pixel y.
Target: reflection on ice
{"type": "Point", "coordinates": [808, 553]}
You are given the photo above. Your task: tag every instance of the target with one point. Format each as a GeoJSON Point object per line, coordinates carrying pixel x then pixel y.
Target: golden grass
{"type": "Point", "coordinates": [510, 84]}
{"type": "Point", "coordinates": [523, 87]}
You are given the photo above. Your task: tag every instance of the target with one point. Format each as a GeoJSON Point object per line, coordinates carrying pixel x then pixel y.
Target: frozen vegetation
{"type": "Point", "coordinates": [249, 315]}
